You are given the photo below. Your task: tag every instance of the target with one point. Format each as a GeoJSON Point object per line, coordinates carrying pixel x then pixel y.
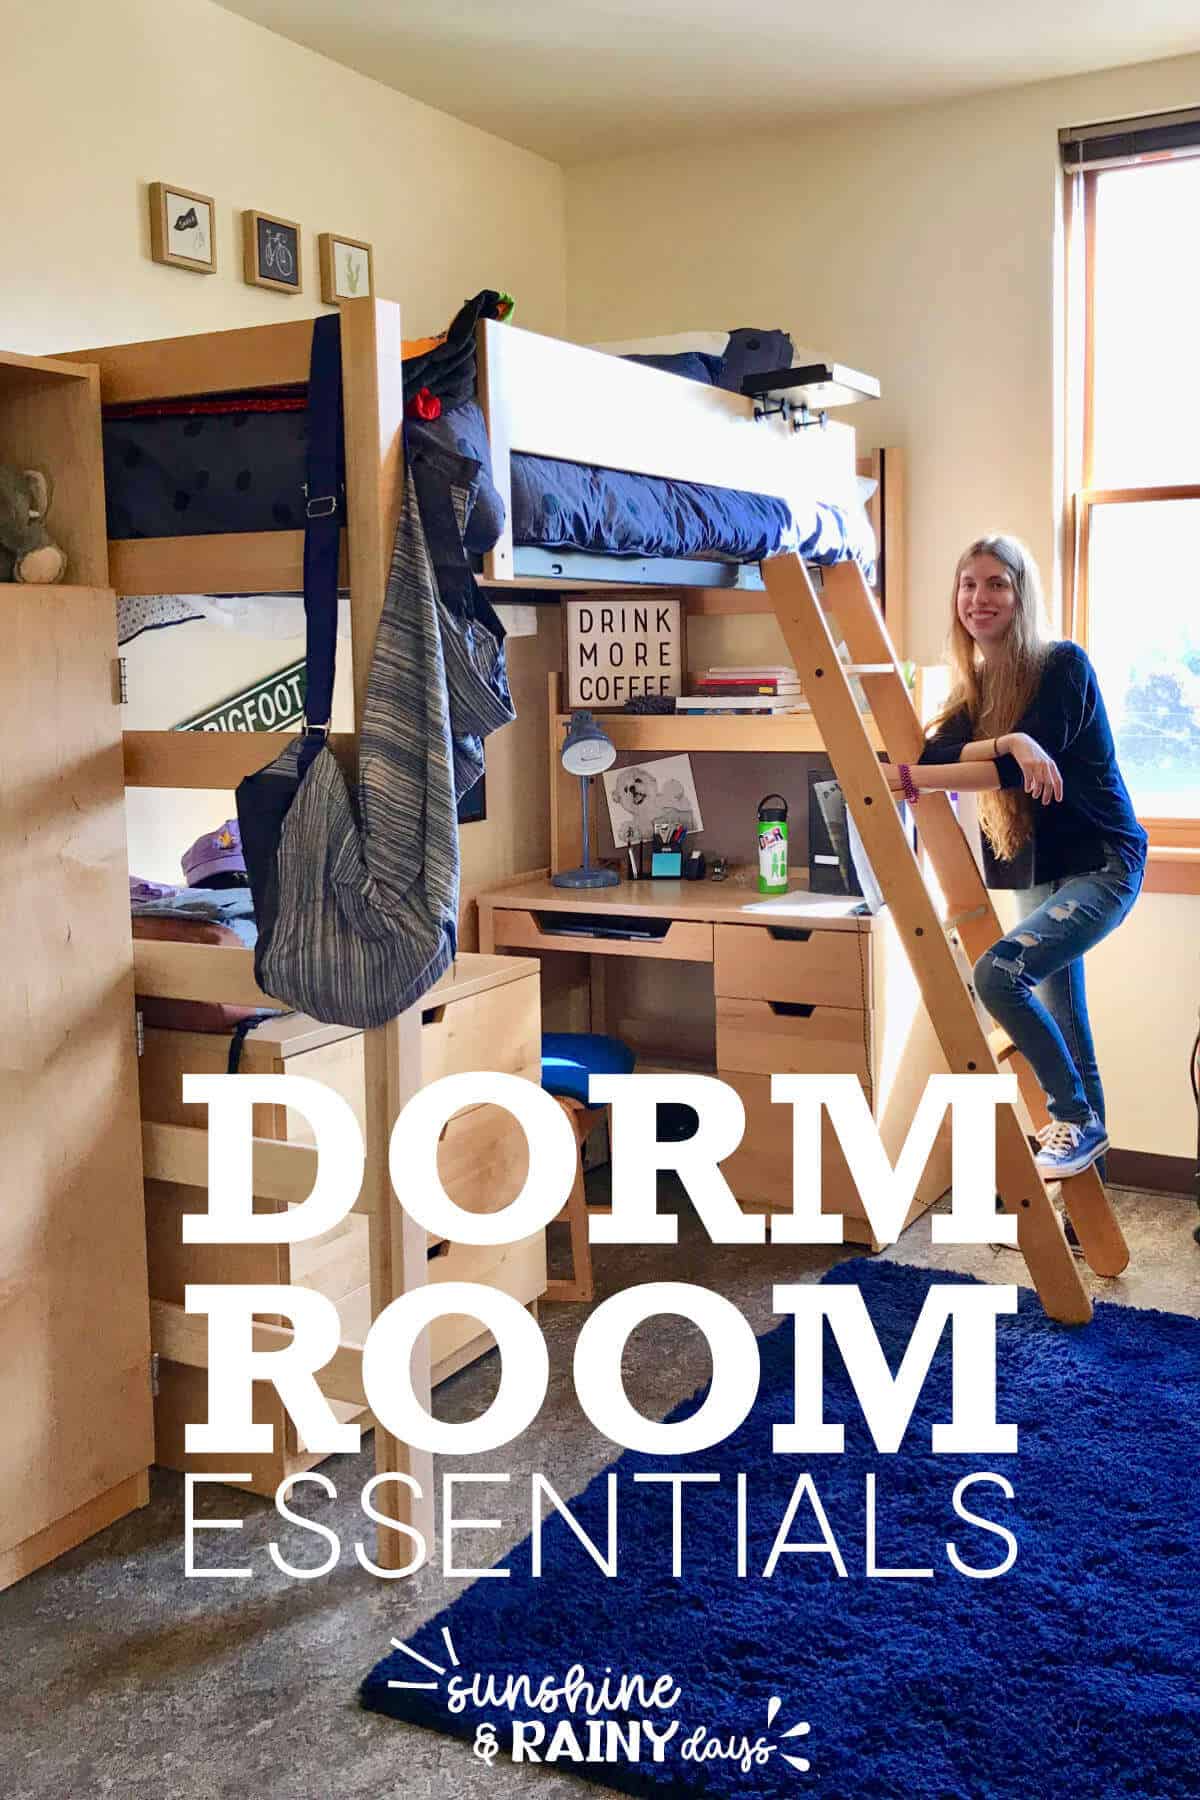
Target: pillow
{"type": "Point", "coordinates": [189, 1015]}
{"type": "Point", "coordinates": [753, 352]}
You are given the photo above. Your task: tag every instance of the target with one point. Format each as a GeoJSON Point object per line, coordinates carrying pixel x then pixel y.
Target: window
{"type": "Point", "coordinates": [1134, 329]}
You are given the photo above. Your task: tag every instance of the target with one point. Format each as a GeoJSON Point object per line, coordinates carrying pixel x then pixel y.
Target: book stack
{"type": "Point", "coordinates": [737, 691]}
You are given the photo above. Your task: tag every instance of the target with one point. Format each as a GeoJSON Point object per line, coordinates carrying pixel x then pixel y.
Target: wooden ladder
{"type": "Point", "coordinates": [927, 938]}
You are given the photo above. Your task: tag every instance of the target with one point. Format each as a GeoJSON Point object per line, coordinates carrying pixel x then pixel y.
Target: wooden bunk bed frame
{"type": "Point", "coordinates": [554, 399]}
{"type": "Point", "coordinates": [216, 363]}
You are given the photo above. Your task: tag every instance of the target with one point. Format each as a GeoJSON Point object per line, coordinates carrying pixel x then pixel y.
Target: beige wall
{"type": "Point", "coordinates": [916, 244]}
{"type": "Point", "coordinates": [111, 96]}
{"type": "Point", "coordinates": [919, 245]}
{"type": "Point", "coordinates": [101, 99]}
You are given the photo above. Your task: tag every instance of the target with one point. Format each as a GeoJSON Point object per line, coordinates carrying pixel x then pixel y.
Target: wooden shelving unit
{"type": "Point", "coordinates": [50, 420]}
{"type": "Point", "coordinates": [74, 1322]}
{"type": "Point", "coordinates": [677, 731]}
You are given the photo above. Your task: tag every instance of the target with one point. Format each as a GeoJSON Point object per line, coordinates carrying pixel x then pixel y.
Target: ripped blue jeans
{"type": "Point", "coordinates": [1032, 982]}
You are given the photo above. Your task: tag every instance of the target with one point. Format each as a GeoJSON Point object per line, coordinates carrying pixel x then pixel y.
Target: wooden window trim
{"type": "Point", "coordinates": [1176, 836]}
{"type": "Point", "coordinates": [1172, 869]}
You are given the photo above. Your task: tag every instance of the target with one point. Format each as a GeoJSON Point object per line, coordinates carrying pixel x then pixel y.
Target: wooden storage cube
{"type": "Point", "coordinates": [485, 1014]}
{"type": "Point", "coordinates": [806, 964]}
{"type": "Point", "coordinates": [519, 1269]}
{"type": "Point", "coordinates": [788, 1037]}
{"type": "Point", "coordinates": [50, 420]}
{"type": "Point", "coordinates": [499, 1029]}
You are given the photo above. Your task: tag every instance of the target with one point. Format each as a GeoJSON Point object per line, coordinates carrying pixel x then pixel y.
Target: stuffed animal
{"type": "Point", "coordinates": [27, 551]}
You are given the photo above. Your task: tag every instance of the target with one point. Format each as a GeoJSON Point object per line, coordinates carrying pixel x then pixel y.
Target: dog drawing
{"type": "Point", "coordinates": [639, 793]}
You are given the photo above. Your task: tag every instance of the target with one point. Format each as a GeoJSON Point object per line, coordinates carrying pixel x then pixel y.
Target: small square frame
{"type": "Point", "coordinates": [251, 269]}
{"type": "Point", "coordinates": [160, 228]}
{"type": "Point", "coordinates": [571, 606]}
{"type": "Point", "coordinates": [325, 256]}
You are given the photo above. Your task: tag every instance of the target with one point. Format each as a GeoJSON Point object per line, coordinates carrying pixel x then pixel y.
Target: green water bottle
{"type": "Point", "coordinates": [772, 845]}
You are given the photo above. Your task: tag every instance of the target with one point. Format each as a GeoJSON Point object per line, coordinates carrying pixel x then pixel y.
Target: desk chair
{"type": "Point", "coordinates": [568, 1059]}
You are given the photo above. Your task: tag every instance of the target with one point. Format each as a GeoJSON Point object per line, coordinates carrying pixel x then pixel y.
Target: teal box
{"type": "Point", "coordinates": [667, 862]}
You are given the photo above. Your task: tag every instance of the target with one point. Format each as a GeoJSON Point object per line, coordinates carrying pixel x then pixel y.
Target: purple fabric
{"type": "Point", "coordinates": [216, 853]}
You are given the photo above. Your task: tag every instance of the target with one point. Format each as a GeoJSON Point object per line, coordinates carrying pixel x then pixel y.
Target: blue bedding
{"type": "Point", "coordinates": [196, 468]}
{"type": "Point", "coordinates": [568, 506]}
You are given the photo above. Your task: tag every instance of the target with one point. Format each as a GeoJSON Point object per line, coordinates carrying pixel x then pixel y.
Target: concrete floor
{"type": "Point", "coordinates": [120, 1677]}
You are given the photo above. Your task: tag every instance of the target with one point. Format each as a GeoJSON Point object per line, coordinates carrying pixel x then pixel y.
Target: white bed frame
{"type": "Point", "coordinates": [545, 397]}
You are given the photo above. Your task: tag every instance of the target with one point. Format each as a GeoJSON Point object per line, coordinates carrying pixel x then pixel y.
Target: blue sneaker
{"type": "Point", "coordinates": [1070, 1149]}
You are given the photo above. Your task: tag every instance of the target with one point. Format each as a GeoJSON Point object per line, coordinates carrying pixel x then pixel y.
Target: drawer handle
{"type": "Point", "coordinates": [442, 1249]}
{"type": "Point", "coordinates": [433, 1015]}
{"type": "Point", "coordinates": [791, 1009]}
{"type": "Point", "coordinates": [789, 934]}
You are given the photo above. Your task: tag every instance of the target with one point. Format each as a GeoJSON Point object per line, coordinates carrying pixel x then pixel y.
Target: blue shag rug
{"type": "Point", "coordinates": [1075, 1675]}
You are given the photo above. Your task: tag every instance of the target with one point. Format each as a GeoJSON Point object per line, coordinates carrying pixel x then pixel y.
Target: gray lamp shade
{"type": "Point", "coordinates": [587, 750]}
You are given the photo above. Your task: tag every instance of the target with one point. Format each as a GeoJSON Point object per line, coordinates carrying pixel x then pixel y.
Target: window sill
{"type": "Point", "coordinates": [1172, 869]}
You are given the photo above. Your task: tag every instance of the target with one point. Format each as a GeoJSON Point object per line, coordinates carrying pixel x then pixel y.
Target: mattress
{"type": "Point", "coordinates": [195, 468]}
{"type": "Point", "coordinates": [567, 506]}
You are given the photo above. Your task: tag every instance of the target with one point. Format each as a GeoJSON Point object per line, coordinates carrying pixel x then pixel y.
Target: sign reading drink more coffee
{"type": "Point", "coordinates": [622, 649]}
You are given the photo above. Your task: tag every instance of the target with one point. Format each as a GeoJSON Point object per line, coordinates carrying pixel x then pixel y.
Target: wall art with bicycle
{"type": "Point", "coordinates": [272, 252]}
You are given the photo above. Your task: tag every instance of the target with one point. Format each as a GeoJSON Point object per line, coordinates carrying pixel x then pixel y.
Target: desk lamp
{"type": "Point", "coordinates": [587, 751]}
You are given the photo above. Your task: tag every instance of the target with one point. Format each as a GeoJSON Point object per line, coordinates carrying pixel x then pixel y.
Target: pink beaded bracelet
{"type": "Point", "coordinates": [908, 786]}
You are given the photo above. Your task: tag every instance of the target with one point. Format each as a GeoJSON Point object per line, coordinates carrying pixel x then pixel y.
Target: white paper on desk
{"type": "Point", "coordinates": [819, 906]}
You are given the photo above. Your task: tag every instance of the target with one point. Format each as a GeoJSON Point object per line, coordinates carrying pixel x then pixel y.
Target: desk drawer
{"type": "Point", "coordinates": [517, 1269]}
{"type": "Point", "coordinates": [760, 1169]}
{"type": "Point", "coordinates": [483, 1159]}
{"type": "Point", "coordinates": [776, 962]}
{"type": "Point", "coordinates": [757, 1037]}
{"type": "Point", "coordinates": [685, 940]}
{"type": "Point", "coordinates": [499, 1029]}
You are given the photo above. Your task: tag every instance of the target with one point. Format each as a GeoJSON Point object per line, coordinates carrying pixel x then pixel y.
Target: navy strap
{"type": "Point", "coordinates": [324, 516]}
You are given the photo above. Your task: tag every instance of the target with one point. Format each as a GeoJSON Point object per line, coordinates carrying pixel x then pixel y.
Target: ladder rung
{"type": "Point", "coordinates": [1001, 1045]}
{"type": "Point", "coordinates": [960, 918]}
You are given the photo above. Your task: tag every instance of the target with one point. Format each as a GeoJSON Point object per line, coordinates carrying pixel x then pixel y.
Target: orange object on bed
{"type": "Point", "coordinates": [189, 1015]}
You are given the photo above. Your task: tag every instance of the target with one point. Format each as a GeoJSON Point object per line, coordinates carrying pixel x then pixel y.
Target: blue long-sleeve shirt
{"type": "Point", "coordinates": [1068, 719]}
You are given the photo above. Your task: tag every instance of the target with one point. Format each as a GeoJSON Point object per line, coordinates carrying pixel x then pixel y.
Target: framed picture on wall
{"type": "Point", "coordinates": [271, 252]}
{"type": "Point", "coordinates": [347, 267]}
{"type": "Point", "coordinates": [182, 228]}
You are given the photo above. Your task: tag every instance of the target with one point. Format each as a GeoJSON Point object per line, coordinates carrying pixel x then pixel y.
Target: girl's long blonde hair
{"type": "Point", "coordinates": [996, 695]}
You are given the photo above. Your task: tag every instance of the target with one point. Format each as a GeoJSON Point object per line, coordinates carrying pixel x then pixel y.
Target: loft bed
{"type": "Point", "coordinates": [559, 403]}
{"type": "Point", "coordinates": [540, 396]}
{"type": "Point", "coordinates": [608, 473]}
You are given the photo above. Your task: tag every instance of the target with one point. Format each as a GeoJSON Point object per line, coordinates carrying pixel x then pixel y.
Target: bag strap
{"type": "Point", "coordinates": [324, 514]}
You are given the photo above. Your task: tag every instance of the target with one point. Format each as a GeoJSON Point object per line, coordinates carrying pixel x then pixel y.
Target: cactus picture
{"type": "Point", "coordinates": [347, 271]}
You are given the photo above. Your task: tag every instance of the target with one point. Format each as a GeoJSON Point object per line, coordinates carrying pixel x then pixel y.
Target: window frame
{"type": "Point", "coordinates": [1175, 839]}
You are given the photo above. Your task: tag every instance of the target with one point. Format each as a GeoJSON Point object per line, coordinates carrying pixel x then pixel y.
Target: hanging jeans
{"type": "Point", "coordinates": [1032, 981]}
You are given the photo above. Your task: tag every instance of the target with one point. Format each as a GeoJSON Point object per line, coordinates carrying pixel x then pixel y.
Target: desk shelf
{"type": "Point", "coordinates": [677, 731]}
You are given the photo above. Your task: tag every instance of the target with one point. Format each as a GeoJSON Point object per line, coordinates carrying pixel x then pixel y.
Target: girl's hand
{"type": "Point", "coordinates": [891, 775]}
{"type": "Point", "coordinates": [1042, 779]}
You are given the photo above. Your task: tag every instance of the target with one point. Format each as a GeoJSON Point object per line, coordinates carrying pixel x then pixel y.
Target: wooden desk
{"type": "Point", "coordinates": [800, 984]}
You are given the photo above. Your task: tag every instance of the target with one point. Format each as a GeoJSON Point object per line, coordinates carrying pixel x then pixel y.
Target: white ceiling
{"type": "Point", "coordinates": [576, 81]}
